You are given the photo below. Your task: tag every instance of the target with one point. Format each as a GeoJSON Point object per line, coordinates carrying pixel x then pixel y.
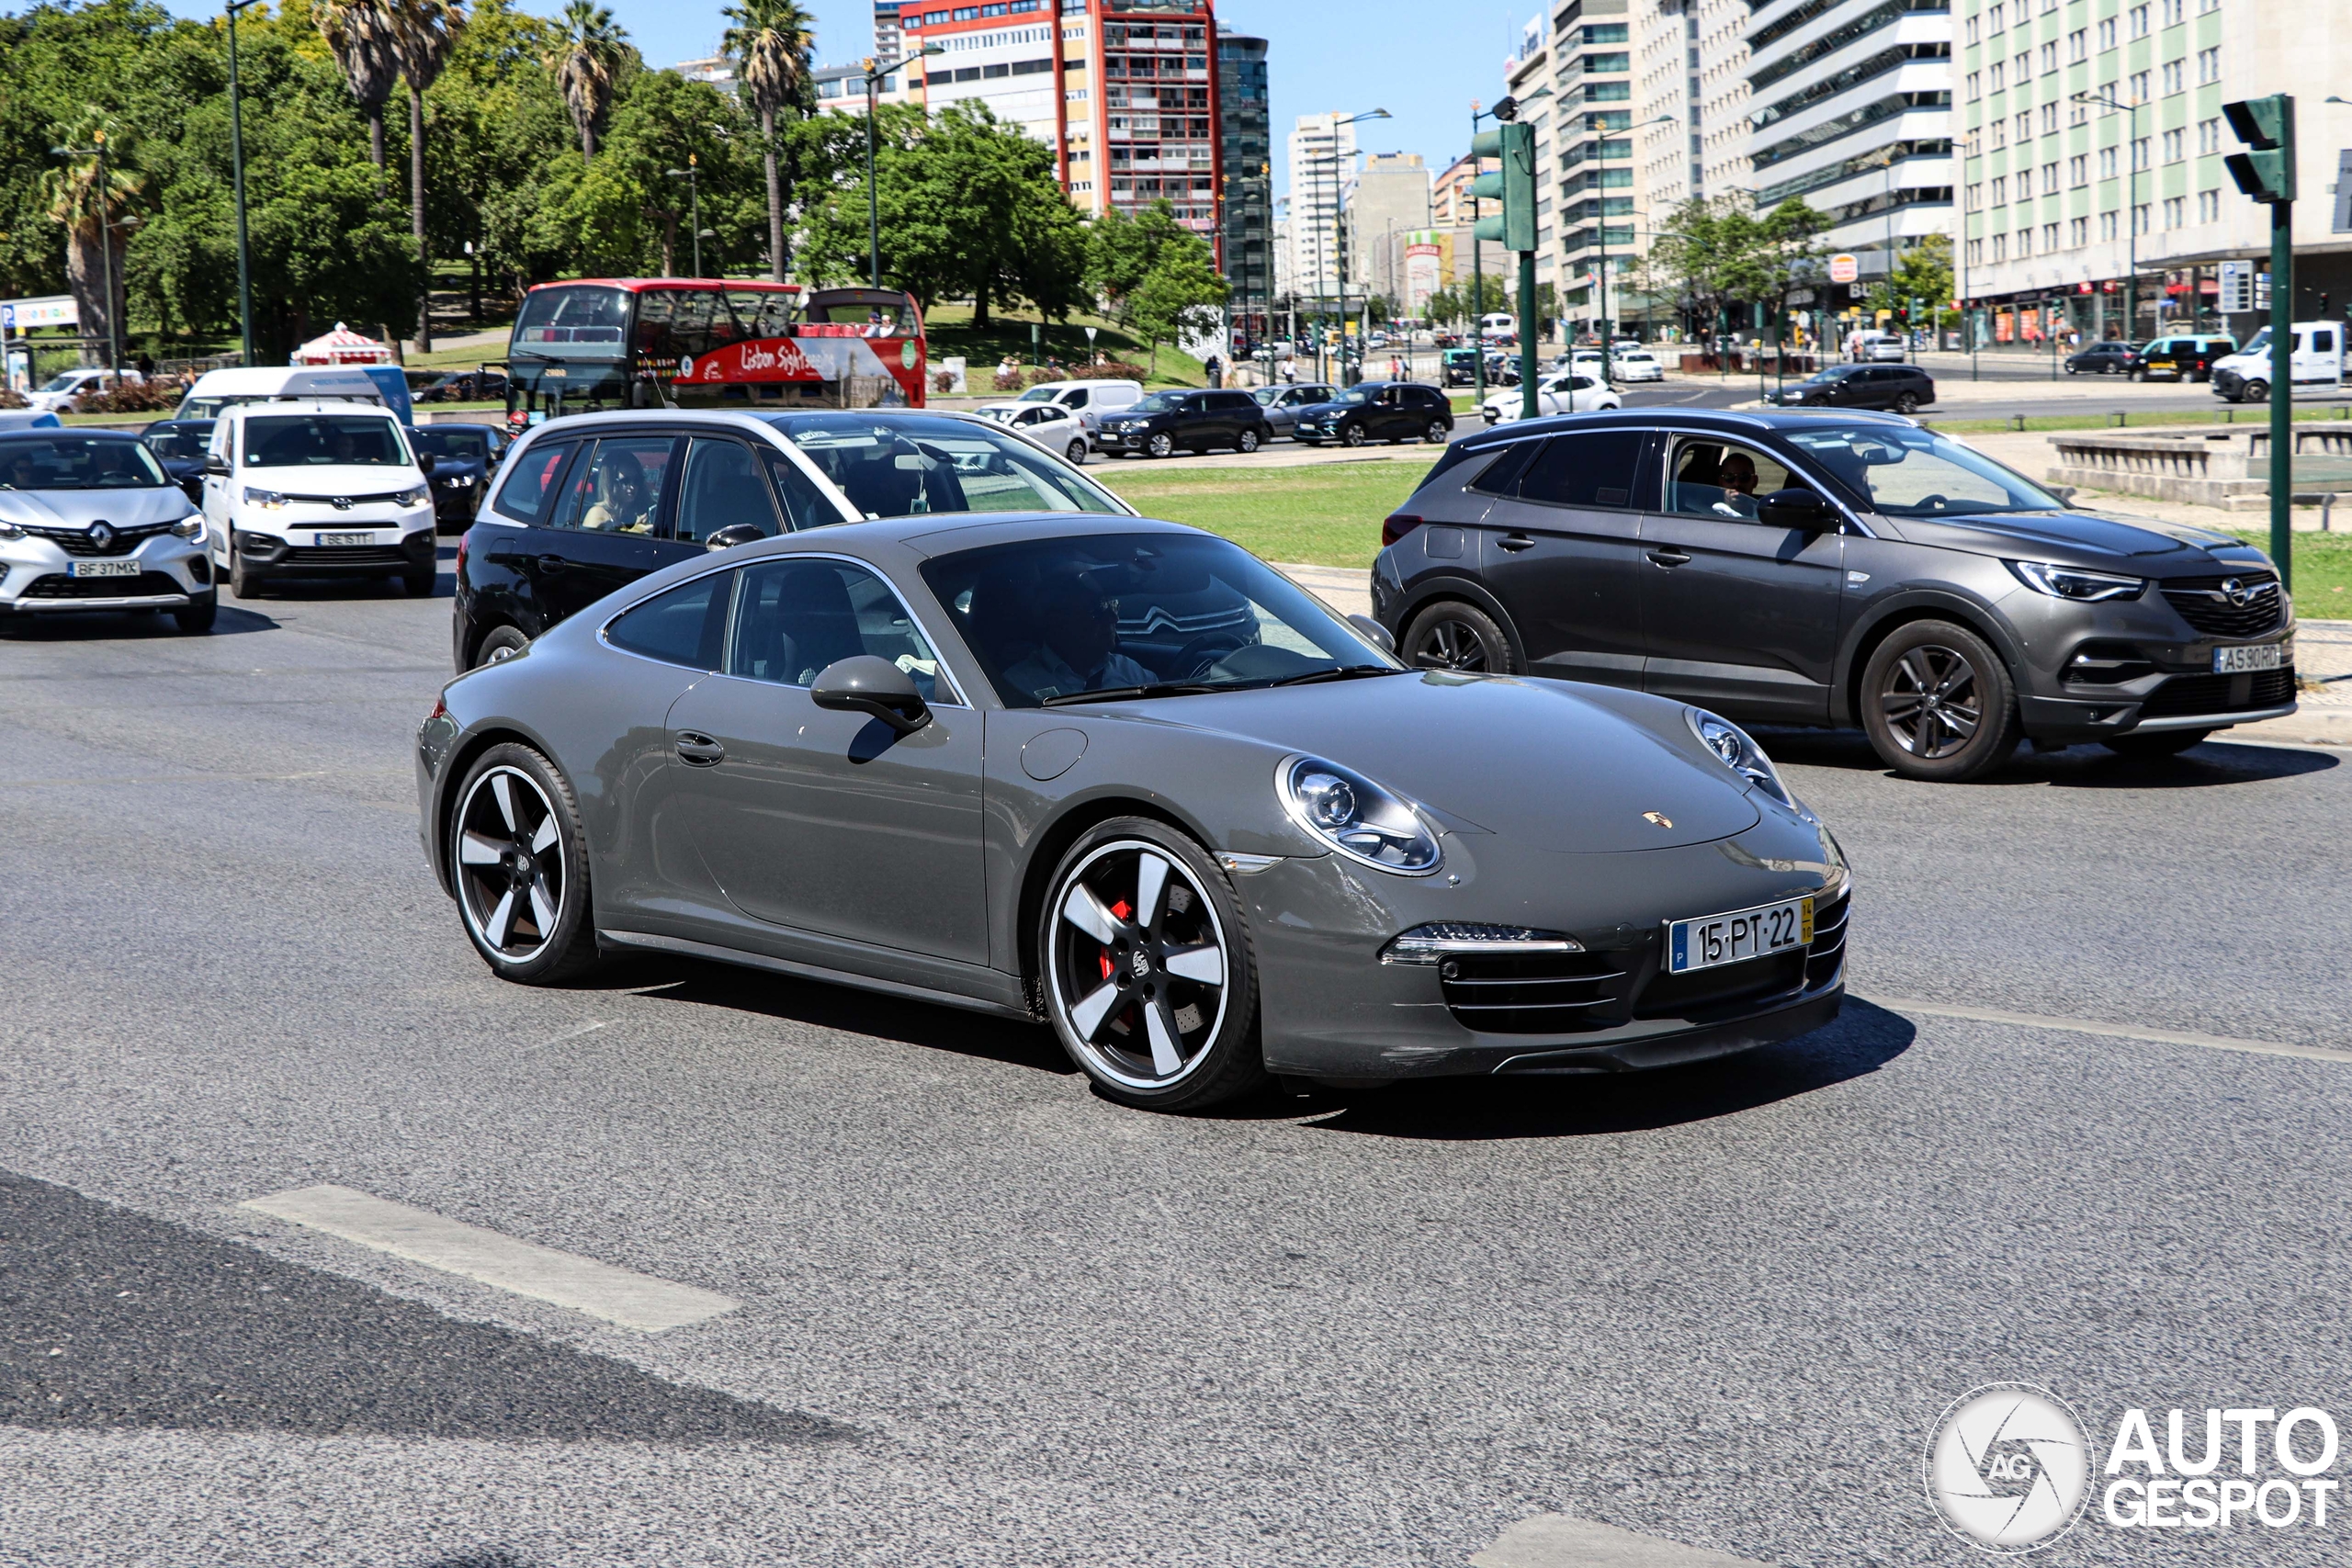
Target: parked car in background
{"type": "Point", "coordinates": [1195, 422]}
{"type": "Point", "coordinates": [317, 490]}
{"type": "Point", "coordinates": [2317, 357]}
{"type": "Point", "coordinates": [1901, 388]}
{"type": "Point", "coordinates": [1380, 410]}
{"type": "Point", "coordinates": [1284, 404]}
{"type": "Point", "coordinates": [1859, 572]}
{"type": "Point", "coordinates": [2183, 356]}
{"type": "Point", "coordinates": [179, 446]}
{"type": "Point", "coordinates": [1568, 391]}
{"type": "Point", "coordinates": [1089, 400]}
{"type": "Point", "coordinates": [458, 385]}
{"type": "Point", "coordinates": [1871, 346]}
{"type": "Point", "coordinates": [89, 520]}
{"type": "Point", "coordinates": [1635, 365]}
{"type": "Point", "coordinates": [63, 392]}
{"type": "Point", "coordinates": [1460, 367]}
{"type": "Point", "coordinates": [591, 502]}
{"type": "Point", "coordinates": [2110, 357]}
{"type": "Point", "coordinates": [1055, 427]}
{"type": "Point", "coordinates": [464, 455]}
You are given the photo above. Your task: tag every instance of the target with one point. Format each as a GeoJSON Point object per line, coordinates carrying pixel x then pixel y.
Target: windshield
{"type": "Point", "coordinates": [1916, 473]}
{"type": "Point", "coordinates": [185, 442]}
{"type": "Point", "coordinates": [321, 440]}
{"type": "Point", "coordinates": [445, 443]}
{"type": "Point", "coordinates": [1159, 402]}
{"type": "Point", "coordinates": [1053, 619]}
{"type": "Point", "coordinates": [2257, 343]}
{"type": "Point", "coordinates": [911, 465]}
{"type": "Point", "coordinates": [584, 322]}
{"type": "Point", "coordinates": [1038, 395]}
{"type": "Point", "coordinates": [1351, 396]}
{"type": "Point", "coordinates": [77, 462]}
{"type": "Point", "coordinates": [1264, 396]}
{"type": "Point", "coordinates": [62, 382]}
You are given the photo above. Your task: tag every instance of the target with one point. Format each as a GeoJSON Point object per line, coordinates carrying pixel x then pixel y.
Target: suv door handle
{"type": "Point", "coordinates": [699, 750]}
{"type": "Point", "coordinates": [1669, 556]}
{"type": "Point", "coordinates": [1517, 542]}
{"type": "Point", "coordinates": [553, 563]}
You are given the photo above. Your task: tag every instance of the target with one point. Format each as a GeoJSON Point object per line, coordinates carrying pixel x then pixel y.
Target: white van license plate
{"type": "Point", "coordinates": [1736, 937]}
{"type": "Point", "coordinates": [346, 538]}
{"type": "Point", "coordinates": [103, 568]}
{"type": "Point", "coordinates": [2240, 661]}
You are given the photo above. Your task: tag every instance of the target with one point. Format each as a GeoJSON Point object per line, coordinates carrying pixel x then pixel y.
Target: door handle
{"type": "Point", "coordinates": [699, 750]}
{"type": "Point", "coordinates": [553, 563]}
{"type": "Point", "coordinates": [1669, 556]}
{"type": "Point", "coordinates": [1517, 542]}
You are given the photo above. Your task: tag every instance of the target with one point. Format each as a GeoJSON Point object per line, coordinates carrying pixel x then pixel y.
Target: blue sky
{"type": "Point", "coordinates": [1422, 60]}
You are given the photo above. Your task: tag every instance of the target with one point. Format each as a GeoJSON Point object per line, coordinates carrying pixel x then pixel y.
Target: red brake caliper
{"type": "Point", "coordinates": [1123, 909]}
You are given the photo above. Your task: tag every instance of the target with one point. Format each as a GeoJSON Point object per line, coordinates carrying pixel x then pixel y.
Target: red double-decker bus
{"type": "Point", "coordinates": [645, 342]}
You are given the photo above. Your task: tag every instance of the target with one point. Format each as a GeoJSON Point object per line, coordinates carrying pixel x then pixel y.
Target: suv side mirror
{"type": "Point", "coordinates": [863, 684]}
{"type": "Point", "coordinates": [1797, 508]}
{"type": "Point", "coordinates": [217, 465]}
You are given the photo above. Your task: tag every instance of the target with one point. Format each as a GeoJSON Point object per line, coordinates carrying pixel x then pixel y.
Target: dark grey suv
{"type": "Point", "coordinates": [1845, 569]}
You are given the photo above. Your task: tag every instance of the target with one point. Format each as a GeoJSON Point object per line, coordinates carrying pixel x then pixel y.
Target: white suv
{"type": "Point", "coordinates": [90, 521]}
{"type": "Point", "coordinates": [317, 490]}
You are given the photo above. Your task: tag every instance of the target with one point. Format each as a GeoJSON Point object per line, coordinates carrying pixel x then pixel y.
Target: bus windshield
{"type": "Point", "coordinates": [583, 322]}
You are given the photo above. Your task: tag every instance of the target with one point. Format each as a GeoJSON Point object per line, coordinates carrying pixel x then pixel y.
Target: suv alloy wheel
{"type": "Point", "coordinates": [1455, 635]}
{"type": "Point", "coordinates": [1938, 703]}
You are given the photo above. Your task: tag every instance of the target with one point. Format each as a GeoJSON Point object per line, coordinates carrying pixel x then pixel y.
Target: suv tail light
{"type": "Point", "coordinates": [1396, 526]}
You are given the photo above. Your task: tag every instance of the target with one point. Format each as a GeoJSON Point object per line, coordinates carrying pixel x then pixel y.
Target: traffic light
{"type": "Point", "coordinates": [1513, 184]}
{"type": "Point", "coordinates": [2266, 125]}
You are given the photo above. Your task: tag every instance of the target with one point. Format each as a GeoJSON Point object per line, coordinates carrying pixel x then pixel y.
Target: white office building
{"type": "Point", "coordinates": [1322, 160]}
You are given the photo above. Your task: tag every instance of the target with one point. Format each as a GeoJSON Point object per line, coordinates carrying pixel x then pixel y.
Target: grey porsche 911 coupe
{"type": "Point", "coordinates": [1122, 777]}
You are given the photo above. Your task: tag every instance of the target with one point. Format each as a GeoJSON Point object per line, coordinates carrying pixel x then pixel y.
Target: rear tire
{"type": "Point", "coordinates": [501, 643]}
{"type": "Point", "coordinates": [1938, 703]}
{"type": "Point", "coordinates": [1455, 635]}
{"type": "Point", "coordinates": [1438, 434]}
{"type": "Point", "coordinates": [519, 858]}
{"type": "Point", "coordinates": [2157, 743]}
{"type": "Point", "coordinates": [1077, 454]}
{"type": "Point", "coordinates": [2255, 392]}
{"type": "Point", "coordinates": [1906, 403]}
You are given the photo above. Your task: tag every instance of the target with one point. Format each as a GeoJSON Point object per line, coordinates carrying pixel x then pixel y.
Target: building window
{"type": "Point", "coordinates": [2175, 212]}
{"type": "Point", "coordinates": [1977, 252]}
{"type": "Point", "coordinates": [2205, 7]}
{"type": "Point", "coordinates": [2107, 162]}
{"type": "Point", "coordinates": [2049, 120]}
{"type": "Point", "coordinates": [2173, 139]}
{"type": "Point", "coordinates": [2049, 237]}
{"type": "Point", "coordinates": [1992, 22]}
{"type": "Point", "coordinates": [2172, 12]}
{"type": "Point", "coordinates": [2078, 232]}
{"type": "Point", "coordinates": [2209, 64]}
{"type": "Point", "coordinates": [1976, 87]}
{"type": "Point", "coordinates": [2140, 152]}
{"type": "Point", "coordinates": [1975, 197]}
{"type": "Point", "coordinates": [2025, 243]}
{"type": "Point", "coordinates": [2107, 35]}
{"type": "Point", "coordinates": [2106, 226]}
{"type": "Point", "coordinates": [2000, 249]}
{"type": "Point", "coordinates": [2139, 88]}
{"type": "Point", "coordinates": [1971, 32]}
{"type": "Point", "coordinates": [2050, 178]}
{"type": "Point", "coordinates": [2025, 126]}
{"type": "Point", "coordinates": [2138, 21]}
{"type": "Point", "coordinates": [2209, 206]}
{"type": "Point", "coordinates": [2078, 170]}
{"type": "Point", "coordinates": [2139, 219]}
{"type": "Point", "coordinates": [2049, 58]}
{"type": "Point", "coordinates": [2025, 185]}
{"type": "Point", "coordinates": [2000, 134]}
{"type": "Point", "coordinates": [2209, 136]}
{"type": "Point", "coordinates": [2078, 46]}
{"type": "Point", "coordinates": [2175, 76]}
{"type": "Point", "coordinates": [1994, 73]}
{"type": "Point", "coordinates": [2000, 190]}
{"type": "Point", "coordinates": [2024, 65]}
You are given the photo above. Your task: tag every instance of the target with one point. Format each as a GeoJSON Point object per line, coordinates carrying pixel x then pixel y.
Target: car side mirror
{"type": "Point", "coordinates": [217, 465]}
{"type": "Point", "coordinates": [864, 684]}
{"type": "Point", "coordinates": [734, 533]}
{"type": "Point", "coordinates": [1797, 508]}
{"type": "Point", "coordinates": [1373, 632]}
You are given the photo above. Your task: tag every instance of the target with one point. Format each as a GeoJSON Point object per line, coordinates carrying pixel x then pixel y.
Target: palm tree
{"type": "Point", "coordinates": [95, 218]}
{"type": "Point", "coordinates": [362, 35]}
{"type": "Point", "coordinates": [423, 33]}
{"type": "Point", "coordinates": [770, 43]}
{"type": "Point", "coordinates": [588, 47]}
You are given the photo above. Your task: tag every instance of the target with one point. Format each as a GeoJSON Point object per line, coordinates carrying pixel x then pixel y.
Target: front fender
{"type": "Point", "coordinates": [1912, 602]}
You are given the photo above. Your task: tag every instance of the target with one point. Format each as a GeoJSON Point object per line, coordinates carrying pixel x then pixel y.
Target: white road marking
{"type": "Point", "coordinates": [2112, 1031]}
{"type": "Point", "coordinates": [582, 1284]}
{"type": "Point", "coordinates": [1555, 1541]}
{"type": "Point", "coordinates": [567, 1034]}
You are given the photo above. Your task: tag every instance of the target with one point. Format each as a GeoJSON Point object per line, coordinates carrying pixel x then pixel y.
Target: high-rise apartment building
{"type": "Point", "coordinates": [1599, 177]}
{"type": "Point", "coordinates": [1666, 165]}
{"type": "Point", "coordinates": [1245, 148]}
{"type": "Point", "coordinates": [1720, 129]}
{"type": "Point", "coordinates": [886, 38]}
{"type": "Point", "coordinates": [1321, 158]}
{"type": "Point", "coordinates": [1124, 91]}
{"type": "Point", "coordinates": [1387, 201]}
{"type": "Point", "coordinates": [2067, 200]}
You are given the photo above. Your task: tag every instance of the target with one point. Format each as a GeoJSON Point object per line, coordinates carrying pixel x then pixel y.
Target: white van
{"type": "Point", "coordinates": [317, 487]}
{"type": "Point", "coordinates": [1090, 400]}
{"type": "Point", "coordinates": [63, 392]}
{"type": "Point", "coordinates": [2318, 360]}
{"type": "Point", "coordinates": [1498, 325]}
{"type": "Point", "coordinates": [218, 390]}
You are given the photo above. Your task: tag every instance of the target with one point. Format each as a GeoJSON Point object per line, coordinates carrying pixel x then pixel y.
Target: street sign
{"type": "Point", "coordinates": [1844, 268]}
{"type": "Point", "coordinates": [2237, 289]}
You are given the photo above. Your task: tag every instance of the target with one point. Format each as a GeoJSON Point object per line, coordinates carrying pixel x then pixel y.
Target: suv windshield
{"type": "Point", "coordinates": [913, 464]}
{"type": "Point", "coordinates": [1138, 615]}
{"type": "Point", "coordinates": [1916, 473]}
{"type": "Point", "coordinates": [323, 440]}
{"type": "Point", "coordinates": [472, 444]}
{"type": "Point", "coordinates": [1159, 402]}
{"type": "Point", "coordinates": [77, 462]}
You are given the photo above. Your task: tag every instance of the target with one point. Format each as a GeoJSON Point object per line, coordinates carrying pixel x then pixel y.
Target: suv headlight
{"type": "Point", "coordinates": [267, 499]}
{"type": "Point", "coordinates": [1738, 751]}
{"type": "Point", "coordinates": [190, 527]}
{"type": "Point", "coordinates": [1356, 817]}
{"type": "Point", "coordinates": [415, 497]}
{"type": "Point", "coordinates": [2073, 582]}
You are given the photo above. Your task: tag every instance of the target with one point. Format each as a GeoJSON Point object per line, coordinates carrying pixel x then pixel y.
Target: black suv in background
{"type": "Point", "coordinates": [1851, 570]}
{"type": "Point", "coordinates": [1901, 388]}
{"type": "Point", "coordinates": [1195, 420]}
{"type": "Point", "coordinates": [1379, 411]}
{"type": "Point", "coordinates": [466, 456]}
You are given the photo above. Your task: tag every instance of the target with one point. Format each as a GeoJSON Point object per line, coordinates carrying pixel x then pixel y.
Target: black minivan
{"type": "Point", "coordinates": [591, 503]}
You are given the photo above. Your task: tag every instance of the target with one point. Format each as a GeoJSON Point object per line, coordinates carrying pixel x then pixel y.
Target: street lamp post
{"type": "Point", "coordinates": [874, 73]}
{"type": "Point", "coordinates": [237, 177]}
{"type": "Point", "coordinates": [106, 246]}
{"type": "Point", "coordinates": [1323, 261]}
{"type": "Point", "coordinates": [2132, 206]}
{"type": "Point", "coordinates": [692, 174]}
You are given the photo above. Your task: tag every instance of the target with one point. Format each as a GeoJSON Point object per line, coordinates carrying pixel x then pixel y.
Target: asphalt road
{"type": "Point", "coordinates": [988, 1318]}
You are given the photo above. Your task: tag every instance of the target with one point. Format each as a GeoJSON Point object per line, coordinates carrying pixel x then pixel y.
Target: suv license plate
{"type": "Point", "coordinates": [1736, 937]}
{"type": "Point", "coordinates": [346, 538]}
{"type": "Point", "coordinates": [2240, 660]}
{"type": "Point", "coordinates": [103, 568]}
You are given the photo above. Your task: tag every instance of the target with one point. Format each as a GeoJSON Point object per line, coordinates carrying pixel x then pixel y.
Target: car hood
{"type": "Point", "coordinates": [2076, 538]}
{"type": "Point", "coordinates": [79, 508]}
{"type": "Point", "coordinates": [1539, 764]}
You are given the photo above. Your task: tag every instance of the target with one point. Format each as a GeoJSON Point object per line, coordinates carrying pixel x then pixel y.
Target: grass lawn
{"type": "Point", "coordinates": [2322, 567]}
{"type": "Point", "coordinates": [1325, 515]}
{"type": "Point", "coordinates": [950, 331]}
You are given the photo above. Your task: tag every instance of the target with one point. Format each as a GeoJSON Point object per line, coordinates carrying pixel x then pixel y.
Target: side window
{"type": "Point", "coordinates": [682, 626]}
{"type": "Point", "coordinates": [2324, 343]}
{"type": "Point", "coordinates": [1714, 479]}
{"type": "Point", "coordinates": [1593, 467]}
{"type": "Point", "coordinates": [1073, 399]}
{"type": "Point", "coordinates": [526, 495]}
{"type": "Point", "coordinates": [723, 488]}
{"type": "Point", "coordinates": [617, 489]}
{"type": "Point", "coordinates": [805, 506]}
{"type": "Point", "coordinates": [1501, 476]}
{"type": "Point", "coordinates": [795, 617]}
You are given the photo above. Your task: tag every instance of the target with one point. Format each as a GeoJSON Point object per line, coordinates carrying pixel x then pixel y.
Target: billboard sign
{"type": "Point", "coordinates": [1424, 269]}
{"type": "Point", "coordinates": [50, 310]}
{"type": "Point", "coordinates": [1844, 268]}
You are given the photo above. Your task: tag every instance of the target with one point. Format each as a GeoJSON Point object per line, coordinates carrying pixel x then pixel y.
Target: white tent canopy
{"type": "Point", "coordinates": [343, 347]}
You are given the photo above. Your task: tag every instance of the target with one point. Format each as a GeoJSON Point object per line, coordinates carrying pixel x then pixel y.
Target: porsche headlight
{"type": "Point", "coordinates": [2073, 582]}
{"type": "Point", "coordinates": [267, 499]}
{"type": "Point", "coordinates": [1738, 751]}
{"type": "Point", "coordinates": [1356, 817]}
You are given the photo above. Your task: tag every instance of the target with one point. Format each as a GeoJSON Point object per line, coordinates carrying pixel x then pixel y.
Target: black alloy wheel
{"type": "Point", "coordinates": [1906, 403]}
{"type": "Point", "coordinates": [520, 863]}
{"type": "Point", "coordinates": [1454, 635]}
{"type": "Point", "coordinates": [1352, 434]}
{"type": "Point", "coordinates": [1938, 703]}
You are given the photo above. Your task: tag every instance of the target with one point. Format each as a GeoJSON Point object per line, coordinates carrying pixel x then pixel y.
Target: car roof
{"type": "Point", "coordinates": [51, 432]}
{"type": "Point", "coordinates": [339, 406]}
{"type": "Point", "coordinates": [1726, 421]}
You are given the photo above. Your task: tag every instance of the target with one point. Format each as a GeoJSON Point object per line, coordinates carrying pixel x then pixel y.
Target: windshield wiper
{"type": "Point", "coordinates": [1129, 694]}
{"type": "Point", "coordinates": [1344, 672]}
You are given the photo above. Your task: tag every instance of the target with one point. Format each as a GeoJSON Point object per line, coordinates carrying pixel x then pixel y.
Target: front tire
{"type": "Point", "coordinates": [2156, 743]}
{"type": "Point", "coordinates": [1077, 454]}
{"type": "Point", "coordinates": [1351, 436]}
{"type": "Point", "coordinates": [419, 584]}
{"type": "Point", "coordinates": [1938, 703]}
{"type": "Point", "coordinates": [1438, 434]}
{"type": "Point", "coordinates": [1455, 635]}
{"type": "Point", "coordinates": [197, 618]}
{"type": "Point", "coordinates": [519, 858]}
{"type": "Point", "coordinates": [243, 582]}
{"type": "Point", "coordinates": [1246, 442]}
{"type": "Point", "coordinates": [2255, 392]}
{"type": "Point", "coordinates": [1906, 403]}
{"type": "Point", "coordinates": [1147, 969]}
{"type": "Point", "coordinates": [1159, 445]}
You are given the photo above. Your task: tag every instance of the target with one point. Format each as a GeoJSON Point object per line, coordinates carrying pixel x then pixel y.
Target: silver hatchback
{"type": "Point", "coordinates": [90, 521]}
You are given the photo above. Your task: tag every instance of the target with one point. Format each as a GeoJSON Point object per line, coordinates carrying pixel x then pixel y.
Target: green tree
{"type": "Point", "coordinates": [98, 216]}
{"type": "Point", "coordinates": [1182, 294]}
{"type": "Point", "coordinates": [587, 53]}
{"type": "Point", "coordinates": [1922, 272]}
{"type": "Point", "coordinates": [1122, 247]}
{"type": "Point", "coordinates": [423, 33]}
{"type": "Point", "coordinates": [667, 122]}
{"type": "Point", "coordinates": [364, 36]}
{"type": "Point", "coordinates": [771, 42]}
